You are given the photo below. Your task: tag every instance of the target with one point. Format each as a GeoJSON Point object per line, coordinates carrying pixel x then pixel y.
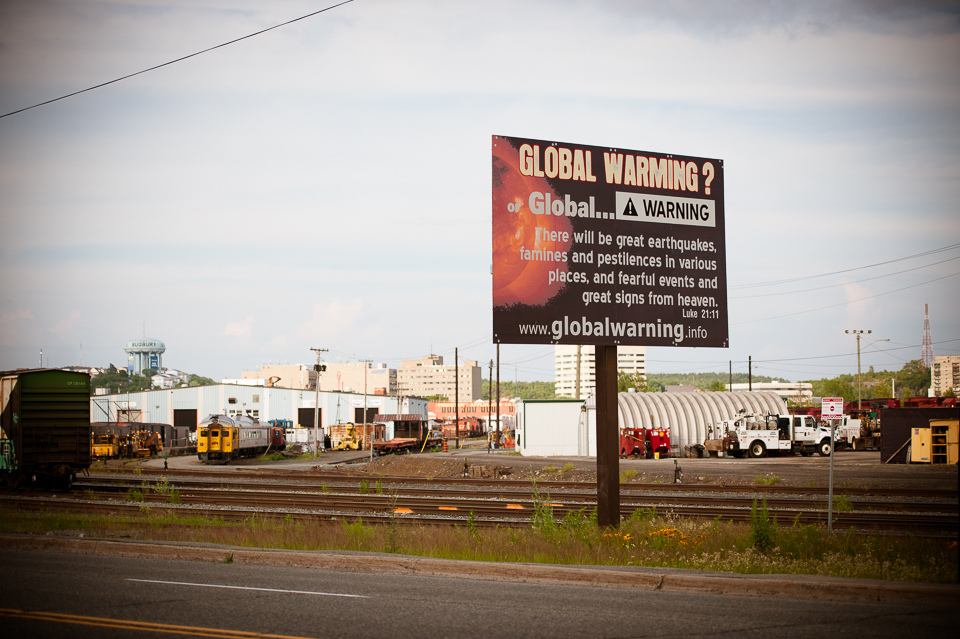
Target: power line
{"type": "Point", "coordinates": [860, 299]}
{"type": "Point", "coordinates": [820, 288]}
{"type": "Point", "coordinates": [166, 64]}
{"type": "Point", "coordinates": [858, 268]}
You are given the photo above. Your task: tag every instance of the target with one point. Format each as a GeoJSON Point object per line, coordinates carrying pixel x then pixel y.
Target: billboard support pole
{"type": "Point", "coordinates": [608, 438]}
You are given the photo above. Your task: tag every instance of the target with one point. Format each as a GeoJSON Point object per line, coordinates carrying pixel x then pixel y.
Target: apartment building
{"type": "Point", "coordinates": [944, 374]}
{"type": "Point", "coordinates": [428, 376]}
{"type": "Point", "coordinates": [630, 359]}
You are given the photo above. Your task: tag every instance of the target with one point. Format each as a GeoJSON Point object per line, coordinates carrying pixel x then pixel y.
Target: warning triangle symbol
{"type": "Point", "coordinates": [630, 209]}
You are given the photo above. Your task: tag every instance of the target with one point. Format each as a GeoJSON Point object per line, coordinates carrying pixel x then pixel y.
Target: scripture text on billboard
{"type": "Point", "coordinates": [594, 245]}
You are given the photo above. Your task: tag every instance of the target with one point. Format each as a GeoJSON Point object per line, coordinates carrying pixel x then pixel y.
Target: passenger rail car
{"type": "Point", "coordinates": [45, 426]}
{"type": "Point", "coordinates": [221, 438]}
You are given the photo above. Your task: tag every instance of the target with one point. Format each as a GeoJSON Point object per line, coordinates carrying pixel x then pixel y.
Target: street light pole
{"type": "Point", "coordinates": [858, 333]}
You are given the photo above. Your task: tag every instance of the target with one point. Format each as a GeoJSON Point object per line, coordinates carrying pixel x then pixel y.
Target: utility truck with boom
{"type": "Point", "coordinates": [760, 435]}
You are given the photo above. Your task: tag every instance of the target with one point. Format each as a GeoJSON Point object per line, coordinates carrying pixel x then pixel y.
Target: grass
{"type": "Point", "coordinates": [647, 538]}
{"type": "Point", "coordinates": [766, 480]}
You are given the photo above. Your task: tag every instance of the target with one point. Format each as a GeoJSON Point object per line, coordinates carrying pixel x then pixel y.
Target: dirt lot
{"type": "Point", "coordinates": [853, 469]}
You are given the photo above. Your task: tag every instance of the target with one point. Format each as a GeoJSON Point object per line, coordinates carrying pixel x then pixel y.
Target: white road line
{"type": "Point", "coordinates": [295, 592]}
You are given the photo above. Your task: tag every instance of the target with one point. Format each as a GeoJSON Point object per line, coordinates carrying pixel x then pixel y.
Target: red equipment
{"type": "Point", "coordinates": [644, 442]}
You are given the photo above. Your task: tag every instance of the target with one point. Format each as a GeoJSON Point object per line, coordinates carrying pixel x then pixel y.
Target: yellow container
{"type": "Point", "coordinates": [656, 455]}
{"type": "Point", "coordinates": [920, 446]}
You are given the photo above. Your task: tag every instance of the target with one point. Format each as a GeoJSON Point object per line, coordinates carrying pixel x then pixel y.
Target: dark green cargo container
{"type": "Point", "coordinates": [46, 418]}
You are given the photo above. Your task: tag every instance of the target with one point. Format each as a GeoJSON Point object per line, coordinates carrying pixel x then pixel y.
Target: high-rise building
{"type": "Point", "coordinates": [427, 377]}
{"type": "Point", "coordinates": [944, 374]}
{"type": "Point", "coordinates": [630, 360]}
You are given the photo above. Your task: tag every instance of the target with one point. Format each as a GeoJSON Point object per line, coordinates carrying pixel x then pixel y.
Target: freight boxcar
{"type": "Point", "coordinates": [45, 426]}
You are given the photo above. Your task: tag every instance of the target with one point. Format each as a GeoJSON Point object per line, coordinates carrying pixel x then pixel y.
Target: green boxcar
{"type": "Point", "coordinates": [46, 417]}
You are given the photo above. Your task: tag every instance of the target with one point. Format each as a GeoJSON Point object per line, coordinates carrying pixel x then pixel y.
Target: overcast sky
{"type": "Point", "coordinates": [327, 184]}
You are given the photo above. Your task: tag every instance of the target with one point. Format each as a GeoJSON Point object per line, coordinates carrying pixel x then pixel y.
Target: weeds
{"type": "Point", "coordinates": [364, 486]}
{"type": "Point", "coordinates": [627, 475]}
{"type": "Point", "coordinates": [766, 480]}
{"type": "Point", "coordinates": [566, 468]}
{"type": "Point", "coordinates": [763, 533]}
{"type": "Point", "coordinates": [646, 538]}
{"type": "Point", "coordinates": [842, 504]}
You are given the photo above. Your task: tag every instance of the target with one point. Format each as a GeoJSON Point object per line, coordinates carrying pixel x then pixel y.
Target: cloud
{"type": "Point", "coordinates": [332, 319]}
{"type": "Point", "coordinates": [66, 324]}
{"type": "Point", "coordinates": [18, 328]}
{"type": "Point", "coordinates": [241, 330]}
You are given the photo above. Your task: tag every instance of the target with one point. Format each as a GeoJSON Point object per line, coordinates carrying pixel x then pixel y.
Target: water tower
{"type": "Point", "coordinates": [143, 354]}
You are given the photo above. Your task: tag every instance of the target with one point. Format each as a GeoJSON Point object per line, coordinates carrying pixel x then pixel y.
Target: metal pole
{"type": "Point", "coordinates": [576, 392]}
{"type": "Point", "coordinates": [859, 385]}
{"type": "Point", "coordinates": [608, 438]}
{"type": "Point", "coordinates": [365, 362]}
{"type": "Point", "coordinates": [456, 389]}
{"type": "Point", "coordinates": [750, 373]}
{"type": "Point", "coordinates": [498, 390]}
{"type": "Point", "coordinates": [490, 405]}
{"type": "Point", "coordinates": [316, 404]}
{"type": "Point", "coordinates": [833, 423]}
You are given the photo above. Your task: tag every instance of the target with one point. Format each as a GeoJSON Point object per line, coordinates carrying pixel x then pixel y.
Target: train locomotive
{"type": "Point", "coordinates": [44, 427]}
{"type": "Point", "coordinates": [221, 438]}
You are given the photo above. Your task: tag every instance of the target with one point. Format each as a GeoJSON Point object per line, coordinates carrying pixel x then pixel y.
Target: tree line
{"type": "Point", "coordinates": [910, 381]}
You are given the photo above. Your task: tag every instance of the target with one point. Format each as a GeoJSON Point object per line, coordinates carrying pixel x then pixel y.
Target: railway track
{"type": "Point", "coordinates": [630, 499]}
{"type": "Point", "coordinates": [285, 477]}
{"type": "Point", "coordinates": [395, 499]}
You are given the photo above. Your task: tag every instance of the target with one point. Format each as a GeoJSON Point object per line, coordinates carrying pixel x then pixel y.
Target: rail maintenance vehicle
{"type": "Point", "coordinates": [759, 435]}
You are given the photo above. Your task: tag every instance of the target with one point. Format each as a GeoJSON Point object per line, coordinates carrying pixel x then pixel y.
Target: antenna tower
{"type": "Point", "coordinates": [926, 355]}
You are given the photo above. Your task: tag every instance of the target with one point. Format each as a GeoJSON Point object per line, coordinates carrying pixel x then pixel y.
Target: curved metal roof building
{"type": "Point", "coordinates": [687, 415]}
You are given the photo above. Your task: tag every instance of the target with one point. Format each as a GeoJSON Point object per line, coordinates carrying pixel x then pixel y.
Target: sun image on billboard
{"type": "Point", "coordinates": [603, 246]}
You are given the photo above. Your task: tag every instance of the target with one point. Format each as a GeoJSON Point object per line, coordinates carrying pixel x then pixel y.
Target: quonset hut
{"type": "Point", "coordinates": [569, 427]}
{"type": "Point", "coordinates": [687, 415]}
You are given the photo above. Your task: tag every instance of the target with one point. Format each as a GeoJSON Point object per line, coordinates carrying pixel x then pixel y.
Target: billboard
{"type": "Point", "coordinates": [594, 245]}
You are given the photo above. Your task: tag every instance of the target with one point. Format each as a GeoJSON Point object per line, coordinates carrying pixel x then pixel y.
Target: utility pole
{"type": "Point", "coordinates": [730, 385]}
{"type": "Point", "coordinates": [490, 404]}
{"type": "Point", "coordinates": [750, 372]}
{"type": "Point", "coordinates": [498, 391]}
{"type": "Point", "coordinates": [456, 389]}
{"type": "Point", "coordinates": [576, 393]}
{"type": "Point", "coordinates": [318, 368]}
{"type": "Point", "coordinates": [858, 333]}
{"type": "Point", "coordinates": [365, 362]}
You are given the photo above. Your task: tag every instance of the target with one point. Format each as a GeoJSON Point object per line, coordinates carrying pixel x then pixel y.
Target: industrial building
{"type": "Point", "coordinates": [427, 377]}
{"type": "Point", "coordinates": [569, 427]}
{"type": "Point", "coordinates": [630, 360]}
{"type": "Point", "coordinates": [376, 378]}
{"type": "Point", "coordinates": [945, 375]}
{"type": "Point", "coordinates": [788, 391]}
{"type": "Point", "coordinates": [188, 406]}
{"type": "Point", "coordinates": [296, 376]}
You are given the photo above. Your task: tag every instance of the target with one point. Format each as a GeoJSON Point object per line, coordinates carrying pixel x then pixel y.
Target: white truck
{"type": "Point", "coordinates": [760, 435]}
{"type": "Point", "coordinates": [858, 434]}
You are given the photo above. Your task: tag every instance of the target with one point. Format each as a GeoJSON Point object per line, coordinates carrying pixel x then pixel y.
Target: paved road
{"type": "Point", "coordinates": [113, 594]}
